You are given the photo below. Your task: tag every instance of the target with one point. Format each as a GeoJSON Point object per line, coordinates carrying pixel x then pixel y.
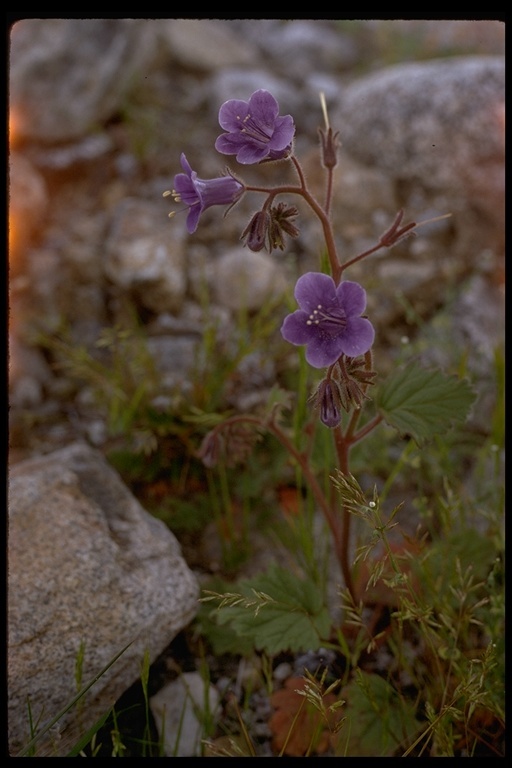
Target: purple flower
{"type": "Point", "coordinates": [200, 194]}
{"type": "Point", "coordinates": [329, 320]}
{"type": "Point", "coordinates": [255, 131]}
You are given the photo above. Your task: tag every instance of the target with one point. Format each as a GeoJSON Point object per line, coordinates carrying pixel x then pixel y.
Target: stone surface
{"type": "Point", "coordinates": [304, 46]}
{"type": "Point", "coordinates": [87, 564]}
{"type": "Point", "coordinates": [427, 120]}
{"type": "Point", "coordinates": [205, 44]}
{"type": "Point", "coordinates": [29, 374]}
{"type": "Point", "coordinates": [145, 256]}
{"type": "Point", "coordinates": [468, 327]}
{"type": "Point", "coordinates": [437, 126]}
{"type": "Point", "coordinates": [244, 280]}
{"type": "Point", "coordinates": [81, 67]}
{"type": "Point", "coordinates": [181, 709]}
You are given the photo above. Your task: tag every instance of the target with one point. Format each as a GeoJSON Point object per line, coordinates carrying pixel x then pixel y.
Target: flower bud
{"type": "Point", "coordinates": [255, 232]}
{"type": "Point", "coordinates": [354, 379]}
{"type": "Point", "coordinates": [328, 401]}
{"type": "Point", "coordinates": [330, 144]}
{"type": "Point", "coordinates": [268, 227]}
{"type": "Point", "coordinates": [210, 449]}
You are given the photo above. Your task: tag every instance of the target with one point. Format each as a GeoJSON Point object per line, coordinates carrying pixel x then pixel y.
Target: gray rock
{"type": "Point", "coordinates": [29, 374]}
{"type": "Point", "coordinates": [175, 358]}
{"type": "Point", "coordinates": [205, 44]}
{"type": "Point", "coordinates": [440, 122]}
{"type": "Point", "coordinates": [90, 149]}
{"type": "Point", "coordinates": [436, 128]}
{"type": "Point", "coordinates": [473, 323]}
{"type": "Point", "coordinates": [86, 565]}
{"type": "Point", "coordinates": [246, 280]}
{"type": "Point", "coordinates": [145, 257]}
{"type": "Point", "coordinates": [306, 45]}
{"type": "Point", "coordinates": [250, 384]}
{"type": "Point", "coordinates": [68, 75]}
{"type": "Point", "coordinates": [180, 710]}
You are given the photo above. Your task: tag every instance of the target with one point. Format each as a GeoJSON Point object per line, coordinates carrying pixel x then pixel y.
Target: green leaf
{"type": "Point", "coordinates": [423, 403]}
{"type": "Point", "coordinates": [86, 738]}
{"type": "Point", "coordinates": [223, 639]}
{"type": "Point", "coordinates": [294, 619]}
{"type": "Point", "coordinates": [378, 720]}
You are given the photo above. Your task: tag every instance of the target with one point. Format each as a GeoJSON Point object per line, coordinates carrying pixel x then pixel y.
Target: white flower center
{"type": "Point", "coordinates": [331, 322]}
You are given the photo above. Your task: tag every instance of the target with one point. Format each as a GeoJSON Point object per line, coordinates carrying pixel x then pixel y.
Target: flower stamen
{"type": "Point", "coordinates": [320, 315]}
{"type": "Point", "coordinates": [255, 129]}
{"type": "Point", "coordinates": [329, 321]}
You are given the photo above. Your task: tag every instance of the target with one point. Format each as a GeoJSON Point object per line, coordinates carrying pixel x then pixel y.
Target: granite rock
{"type": "Point", "coordinates": [87, 567]}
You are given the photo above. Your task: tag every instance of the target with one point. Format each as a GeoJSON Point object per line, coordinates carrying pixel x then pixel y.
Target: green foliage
{"type": "Point", "coordinates": [88, 738]}
{"type": "Point", "coordinates": [459, 550]}
{"type": "Point", "coordinates": [498, 419]}
{"type": "Point", "coordinates": [378, 719]}
{"type": "Point", "coordinates": [124, 382]}
{"type": "Point", "coordinates": [423, 403]}
{"type": "Point", "coordinates": [277, 610]}
{"type": "Point", "coordinates": [222, 638]}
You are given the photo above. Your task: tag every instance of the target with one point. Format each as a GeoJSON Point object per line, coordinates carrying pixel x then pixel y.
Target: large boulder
{"type": "Point", "coordinates": [437, 129]}
{"type": "Point", "coordinates": [90, 569]}
{"type": "Point", "coordinates": [435, 121]}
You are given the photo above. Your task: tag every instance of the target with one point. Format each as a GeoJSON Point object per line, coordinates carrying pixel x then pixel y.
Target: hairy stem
{"type": "Point", "coordinates": [317, 209]}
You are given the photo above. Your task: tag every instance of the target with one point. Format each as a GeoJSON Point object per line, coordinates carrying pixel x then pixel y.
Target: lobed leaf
{"type": "Point", "coordinates": [423, 403]}
{"type": "Point", "coordinates": [378, 719]}
{"type": "Point", "coordinates": [295, 619]}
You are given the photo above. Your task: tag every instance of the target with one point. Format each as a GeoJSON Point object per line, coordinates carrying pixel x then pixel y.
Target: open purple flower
{"type": "Point", "coordinates": [255, 130]}
{"type": "Point", "coordinates": [329, 320]}
{"type": "Point", "coordinates": [200, 194]}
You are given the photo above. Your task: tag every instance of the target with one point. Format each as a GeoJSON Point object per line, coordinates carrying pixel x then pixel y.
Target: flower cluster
{"type": "Point", "coordinates": [268, 227]}
{"type": "Point", "coordinates": [255, 132]}
{"type": "Point", "coordinates": [343, 388]}
{"type": "Point", "coordinates": [330, 321]}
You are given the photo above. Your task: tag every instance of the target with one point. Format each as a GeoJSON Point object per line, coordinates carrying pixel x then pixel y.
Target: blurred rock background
{"type": "Point", "coordinates": [100, 110]}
